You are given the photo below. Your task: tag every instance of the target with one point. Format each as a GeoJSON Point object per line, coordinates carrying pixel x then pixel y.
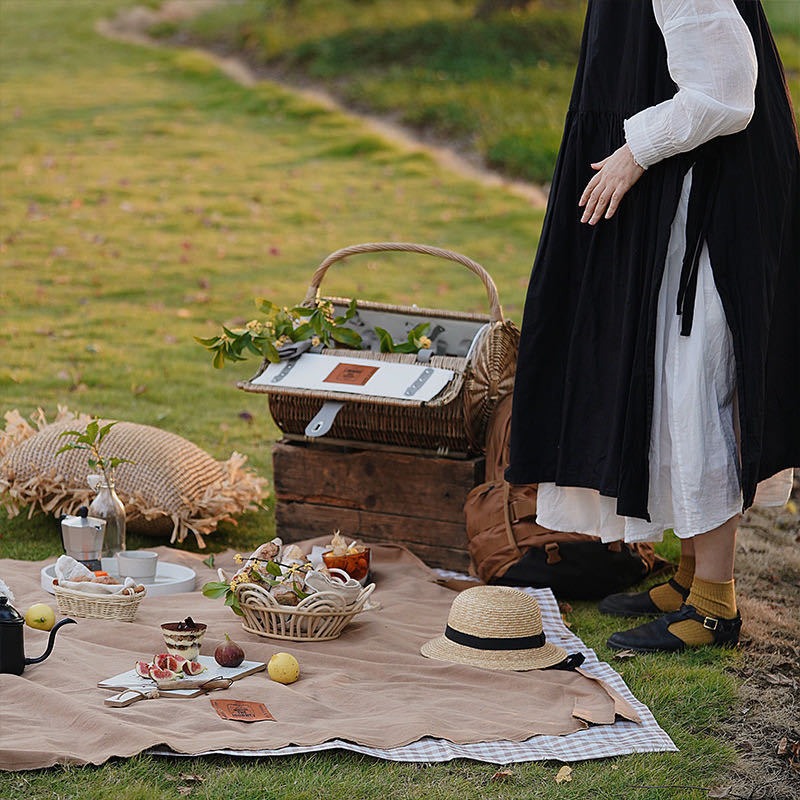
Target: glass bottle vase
{"type": "Point", "coordinates": [107, 505]}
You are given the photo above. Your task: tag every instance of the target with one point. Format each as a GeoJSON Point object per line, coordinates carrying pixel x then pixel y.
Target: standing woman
{"type": "Point", "coordinates": [657, 383]}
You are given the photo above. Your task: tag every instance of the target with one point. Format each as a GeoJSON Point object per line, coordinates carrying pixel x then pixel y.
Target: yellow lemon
{"type": "Point", "coordinates": [283, 668]}
{"type": "Point", "coordinates": [40, 616]}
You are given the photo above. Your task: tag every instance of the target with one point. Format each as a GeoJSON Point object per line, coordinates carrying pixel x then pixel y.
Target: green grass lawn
{"type": "Point", "coordinates": [498, 86]}
{"type": "Point", "coordinates": [144, 199]}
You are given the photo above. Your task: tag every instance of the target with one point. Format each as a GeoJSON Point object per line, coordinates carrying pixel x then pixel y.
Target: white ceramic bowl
{"type": "Point", "coordinates": [141, 565]}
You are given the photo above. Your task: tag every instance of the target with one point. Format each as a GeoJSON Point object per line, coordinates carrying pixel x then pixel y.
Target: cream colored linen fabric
{"type": "Point", "coordinates": [371, 686]}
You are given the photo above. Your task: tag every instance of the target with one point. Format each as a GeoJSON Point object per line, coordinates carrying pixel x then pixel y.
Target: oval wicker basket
{"type": "Point", "coordinates": [73, 603]}
{"type": "Point", "coordinates": [320, 616]}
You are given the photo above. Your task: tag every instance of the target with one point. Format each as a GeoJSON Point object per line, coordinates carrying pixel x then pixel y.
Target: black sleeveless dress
{"type": "Point", "coordinates": [584, 389]}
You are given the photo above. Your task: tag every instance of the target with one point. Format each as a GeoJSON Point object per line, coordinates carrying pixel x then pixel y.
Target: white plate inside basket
{"type": "Point", "coordinates": [170, 578]}
{"type": "Point", "coordinates": [130, 679]}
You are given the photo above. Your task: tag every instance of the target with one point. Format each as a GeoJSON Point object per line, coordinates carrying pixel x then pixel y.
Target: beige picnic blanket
{"type": "Point", "coordinates": [371, 686]}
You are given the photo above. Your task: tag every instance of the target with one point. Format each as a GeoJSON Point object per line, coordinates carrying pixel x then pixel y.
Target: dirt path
{"type": "Point", "coordinates": [765, 726]}
{"type": "Point", "coordinates": [131, 26]}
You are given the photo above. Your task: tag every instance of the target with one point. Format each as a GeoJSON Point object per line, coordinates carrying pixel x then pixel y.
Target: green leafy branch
{"type": "Point", "coordinates": [90, 440]}
{"type": "Point", "coordinates": [274, 577]}
{"type": "Point", "coordinates": [216, 589]}
{"type": "Point", "coordinates": [281, 326]}
{"type": "Point", "coordinates": [416, 341]}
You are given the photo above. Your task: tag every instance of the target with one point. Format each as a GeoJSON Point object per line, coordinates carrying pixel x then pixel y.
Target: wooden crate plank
{"type": "Point", "coordinates": [425, 487]}
{"type": "Point", "coordinates": [437, 543]}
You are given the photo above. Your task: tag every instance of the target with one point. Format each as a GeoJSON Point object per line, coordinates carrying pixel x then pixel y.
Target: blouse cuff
{"type": "Point", "coordinates": [646, 148]}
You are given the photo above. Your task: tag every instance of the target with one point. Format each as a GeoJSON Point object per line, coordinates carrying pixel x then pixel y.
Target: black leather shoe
{"type": "Point", "coordinates": [654, 637]}
{"type": "Point", "coordinates": [636, 605]}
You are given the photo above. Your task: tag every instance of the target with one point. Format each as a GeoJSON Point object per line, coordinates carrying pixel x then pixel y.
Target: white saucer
{"type": "Point", "coordinates": [170, 578]}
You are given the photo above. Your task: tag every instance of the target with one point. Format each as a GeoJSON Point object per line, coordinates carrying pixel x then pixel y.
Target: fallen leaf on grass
{"type": "Point", "coordinates": [502, 775]}
{"type": "Point", "coordinates": [789, 749]}
{"type": "Point", "coordinates": [564, 774]}
{"type": "Point", "coordinates": [621, 654]}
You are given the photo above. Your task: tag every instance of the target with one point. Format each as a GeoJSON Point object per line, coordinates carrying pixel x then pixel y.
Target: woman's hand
{"type": "Point", "coordinates": [615, 176]}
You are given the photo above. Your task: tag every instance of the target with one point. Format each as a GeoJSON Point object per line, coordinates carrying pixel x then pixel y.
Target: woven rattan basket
{"type": "Point", "coordinates": [120, 607]}
{"type": "Point", "coordinates": [453, 422]}
{"type": "Point", "coordinates": [320, 616]}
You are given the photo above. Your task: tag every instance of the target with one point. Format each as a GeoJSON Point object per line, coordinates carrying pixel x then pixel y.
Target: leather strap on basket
{"type": "Point", "coordinates": [495, 309]}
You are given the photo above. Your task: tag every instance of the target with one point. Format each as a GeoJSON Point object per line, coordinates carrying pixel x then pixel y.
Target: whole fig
{"type": "Point", "coordinates": [229, 654]}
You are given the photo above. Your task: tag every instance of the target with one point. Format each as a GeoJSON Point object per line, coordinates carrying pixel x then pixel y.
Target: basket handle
{"type": "Point", "coordinates": [495, 309]}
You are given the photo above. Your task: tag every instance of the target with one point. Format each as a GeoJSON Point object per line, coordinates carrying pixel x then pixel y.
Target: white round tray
{"type": "Point", "coordinates": [170, 578]}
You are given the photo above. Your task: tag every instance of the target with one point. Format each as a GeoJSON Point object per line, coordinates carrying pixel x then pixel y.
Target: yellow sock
{"type": "Point", "coordinates": [710, 599]}
{"type": "Point", "coordinates": [685, 574]}
{"type": "Point", "coordinates": [664, 596]}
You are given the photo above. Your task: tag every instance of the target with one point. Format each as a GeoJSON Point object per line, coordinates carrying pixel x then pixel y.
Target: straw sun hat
{"type": "Point", "coordinates": [494, 627]}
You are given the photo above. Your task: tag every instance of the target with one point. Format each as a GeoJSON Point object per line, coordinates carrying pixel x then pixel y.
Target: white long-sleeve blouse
{"type": "Point", "coordinates": [711, 58]}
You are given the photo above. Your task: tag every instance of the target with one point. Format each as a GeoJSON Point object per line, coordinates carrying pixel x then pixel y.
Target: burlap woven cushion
{"type": "Point", "coordinates": [172, 485]}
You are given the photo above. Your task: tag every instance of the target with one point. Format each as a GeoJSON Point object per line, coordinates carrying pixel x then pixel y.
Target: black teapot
{"type": "Point", "coordinates": [12, 651]}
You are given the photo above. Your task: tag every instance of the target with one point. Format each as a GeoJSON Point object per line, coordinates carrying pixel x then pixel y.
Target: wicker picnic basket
{"type": "Point", "coordinates": [452, 422]}
{"type": "Point", "coordinates": [122, 607]}
{"type": "Point", "coordinates": [320, 616]}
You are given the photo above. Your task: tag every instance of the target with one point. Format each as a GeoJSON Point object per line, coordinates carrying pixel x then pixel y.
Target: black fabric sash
{"type": "Point", "coordinates": [491, 643]}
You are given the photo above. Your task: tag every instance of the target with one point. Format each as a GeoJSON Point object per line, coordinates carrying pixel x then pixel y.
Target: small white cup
{"type": "Point", "coordinates": [141, 565]}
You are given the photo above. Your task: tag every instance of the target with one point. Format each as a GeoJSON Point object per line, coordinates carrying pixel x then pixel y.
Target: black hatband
{"type": "Point", "coordinates": [493, 643]}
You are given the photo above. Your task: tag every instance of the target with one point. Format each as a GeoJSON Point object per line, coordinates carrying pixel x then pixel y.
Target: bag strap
{"type": "Point", "coordinates": [512, 540]}
{"type": "Point", "coordinates": [521, 508]}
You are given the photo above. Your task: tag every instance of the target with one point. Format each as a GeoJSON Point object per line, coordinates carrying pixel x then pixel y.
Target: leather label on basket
{"type": "Point", "coordinates": [241, 710]}
{"type": "Point", "coordinates": [352, 374]}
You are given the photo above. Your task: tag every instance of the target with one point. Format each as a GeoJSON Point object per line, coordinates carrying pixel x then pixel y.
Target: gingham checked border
{"type": "Point", "coordinates": [600, 741]}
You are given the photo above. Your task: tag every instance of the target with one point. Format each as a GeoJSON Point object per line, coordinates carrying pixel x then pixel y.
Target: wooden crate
{"type": "Point", "coordinates": [376, 495]}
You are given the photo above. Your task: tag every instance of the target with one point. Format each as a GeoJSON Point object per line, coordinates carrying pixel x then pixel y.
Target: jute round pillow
{"type": "Point", "coordinates": [171, 485]}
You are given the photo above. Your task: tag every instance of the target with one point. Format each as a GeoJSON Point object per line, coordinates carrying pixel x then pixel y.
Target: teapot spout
{"type": "Point", "coordinates": [50, 641]}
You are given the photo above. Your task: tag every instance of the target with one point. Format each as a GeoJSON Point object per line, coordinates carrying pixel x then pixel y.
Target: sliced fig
{"type": "Point", "coordinates": [166, 661]}
{"type": "Point", "coordinates": [159, 674]}
{"type": "Point", "coordinates": [193, 667]}
{"type": "Point", "coordinates": [143, 669]}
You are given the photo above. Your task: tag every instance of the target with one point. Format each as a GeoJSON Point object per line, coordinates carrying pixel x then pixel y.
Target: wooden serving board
{"type": "Point", "coordinates": [185, 687]}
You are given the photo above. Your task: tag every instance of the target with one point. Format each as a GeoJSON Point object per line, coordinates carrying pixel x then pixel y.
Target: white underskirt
{"type": "Point", "coordinates": [694, 465]}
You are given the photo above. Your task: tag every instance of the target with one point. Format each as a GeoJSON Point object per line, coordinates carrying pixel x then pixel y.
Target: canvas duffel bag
{"type": "Point", "coordinates": [507, 545]}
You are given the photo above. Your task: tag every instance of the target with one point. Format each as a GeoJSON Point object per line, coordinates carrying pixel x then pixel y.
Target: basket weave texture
{"type": "Point", "coordinates": [73, 603]}
{"type": "Point", "coordinates": [171, 485]}
{"type": "Point", "coordinates": [454, 421]}
{"type": "Point", "coordinates": [320, 616]}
